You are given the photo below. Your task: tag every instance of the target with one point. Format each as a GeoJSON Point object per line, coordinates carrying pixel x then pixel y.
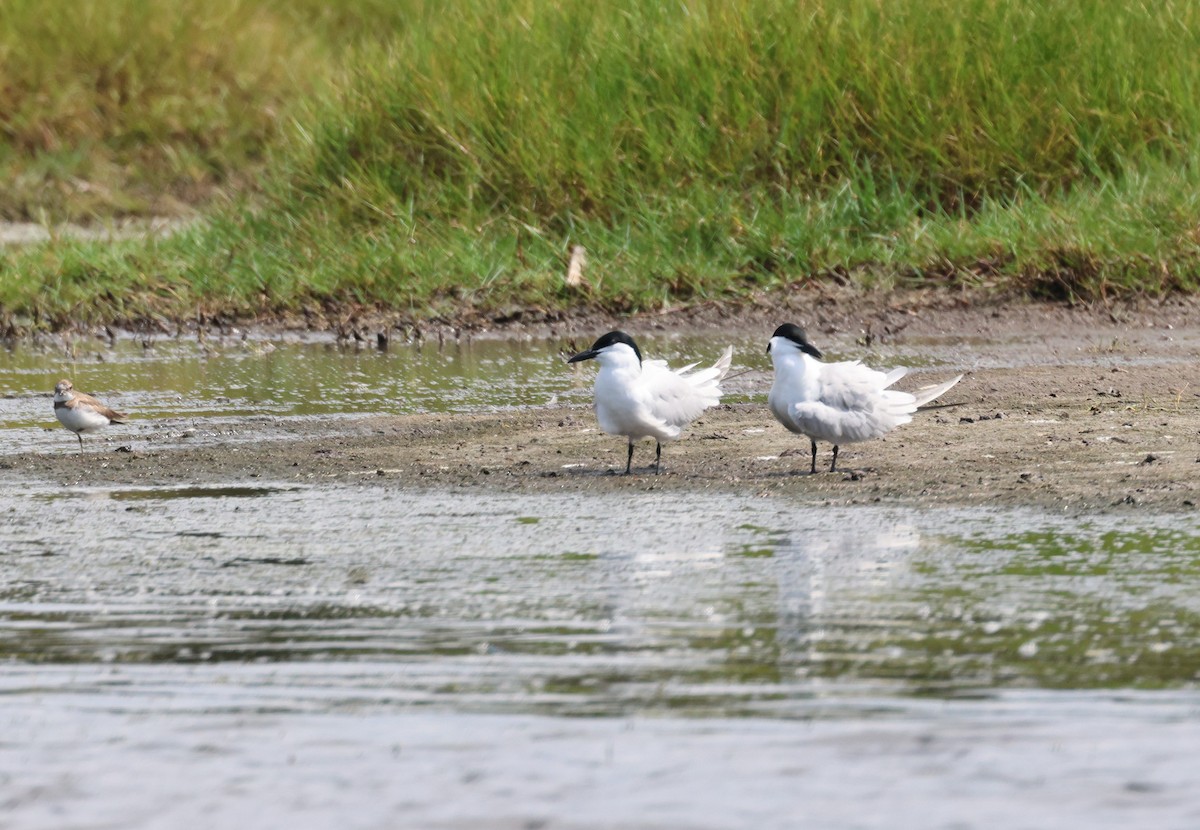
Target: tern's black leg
{"type": "Point", "coordinates": [814, 456]}
{"type": "Point", "coordinates": [629, 460]}
{"type": "Point", "coordinates": [657, 456]}
{"type": "Point", "coordinates": [79, 435]}
{"type": "Point", "coordinates": [833, 466]}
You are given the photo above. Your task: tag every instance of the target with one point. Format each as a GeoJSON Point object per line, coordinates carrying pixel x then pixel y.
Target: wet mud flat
{"type": "Point", "coordinates": [1059, 437]}
{"type": "Point", "coordinates": [1062, 408]}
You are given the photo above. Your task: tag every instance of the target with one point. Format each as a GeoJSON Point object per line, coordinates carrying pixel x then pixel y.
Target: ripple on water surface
{"type": "Point", "coordinates": [597, 604]}
{"type": "Point", "coordinates": [753, 660]}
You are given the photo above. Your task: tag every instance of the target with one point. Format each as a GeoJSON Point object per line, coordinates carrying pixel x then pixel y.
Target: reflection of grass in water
{"type": "Point", "coordinates": [972, 613]}
{"type": "Point", "coordinates": [753, 552]}
{"type": "Point", "coordinates": [1039, 608]}
{"type": "Point", "coordinates": [181, 379]}
{"type": "Point", "coordinates": [1044, 553]}
{"type": "Point", "coordinates": [185, 381]}
{"type": "Point", "coordinates": [1133, 649]}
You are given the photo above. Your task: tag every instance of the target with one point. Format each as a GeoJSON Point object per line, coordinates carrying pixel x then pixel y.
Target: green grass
{"type": "Point", "coordinates": [113, 108]}
{"type": "Point", "coordinates": [429, 156]}
{"type": "Point", "coordinates": [126, 106]}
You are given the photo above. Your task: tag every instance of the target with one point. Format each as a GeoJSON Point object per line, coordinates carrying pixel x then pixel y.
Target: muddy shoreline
{"type": "Point", "coordinates": [1100, 412]}
{"type": "Point", "coordinates": [825, 307]}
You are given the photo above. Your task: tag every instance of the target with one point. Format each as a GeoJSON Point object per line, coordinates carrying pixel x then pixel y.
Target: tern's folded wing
{"type": "Point", "coordinates": [853, 387]}
{"type": "Point", "coordinates": [675, 399]}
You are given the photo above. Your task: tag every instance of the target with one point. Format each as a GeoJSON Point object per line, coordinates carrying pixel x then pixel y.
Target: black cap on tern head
{"type": "Point", "coordinates": [612, 338]}
{"type": "Point", "coordinates": [790, 331]}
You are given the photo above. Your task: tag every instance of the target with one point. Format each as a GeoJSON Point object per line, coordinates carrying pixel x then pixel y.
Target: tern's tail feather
{"type": "Point", "coordinates": [713, 374]}
{"type": "Point", "coordinates": [928, 393]}
{"type": "Point", "coordinates": [894, 375]}
{"type": "Point", "coordinates": [724, 362]}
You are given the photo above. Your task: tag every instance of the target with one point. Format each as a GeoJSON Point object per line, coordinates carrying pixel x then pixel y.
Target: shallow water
{"type": "Point", "coordinates": [244, 389]}
{"type": "Point", "coordinates": [236, 389]}
{"type": "Point", "coordinates": [277, 655]}
{"type": "Point", "coordinates": [697, 604]}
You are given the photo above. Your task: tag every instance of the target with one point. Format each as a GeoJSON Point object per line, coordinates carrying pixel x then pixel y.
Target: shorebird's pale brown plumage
{"type": "Point", "coordinates": [82, 413]}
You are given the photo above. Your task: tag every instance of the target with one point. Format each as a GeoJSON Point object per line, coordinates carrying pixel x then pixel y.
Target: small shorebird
{"type": "Point", "coordinates": [837, 402]}
{"type": "Point", "coordinates": [82, 413]}
{"type": "Point", "coordinates": [646, 398]}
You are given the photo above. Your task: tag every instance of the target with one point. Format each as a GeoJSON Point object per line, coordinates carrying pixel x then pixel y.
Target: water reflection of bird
{"type": "Point", "coordinates": [837, 595]}
{"type": "Point", "coordinates": [837, 402]}
{"type": "Point", "coordinates": [646, 398]}
{"type": "Point", "coordinates": [81, 413]}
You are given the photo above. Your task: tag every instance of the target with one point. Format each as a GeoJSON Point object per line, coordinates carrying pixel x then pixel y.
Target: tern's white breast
{"type": "Point", "coordinates": [625, 405]}
{"type": "Point", "coordinates": [794, 383]}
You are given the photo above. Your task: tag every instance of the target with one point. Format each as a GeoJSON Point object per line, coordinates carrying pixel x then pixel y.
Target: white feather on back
{"type": "Point", "coordinates": [840, 402]}
{"type": "Point", "coordinates": [852, 403]}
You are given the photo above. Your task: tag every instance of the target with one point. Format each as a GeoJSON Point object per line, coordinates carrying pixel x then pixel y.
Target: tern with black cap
{"type": "Point", "coordinates": [646, 398]}
{"type": "Point", "coordinates": [840, 403]}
